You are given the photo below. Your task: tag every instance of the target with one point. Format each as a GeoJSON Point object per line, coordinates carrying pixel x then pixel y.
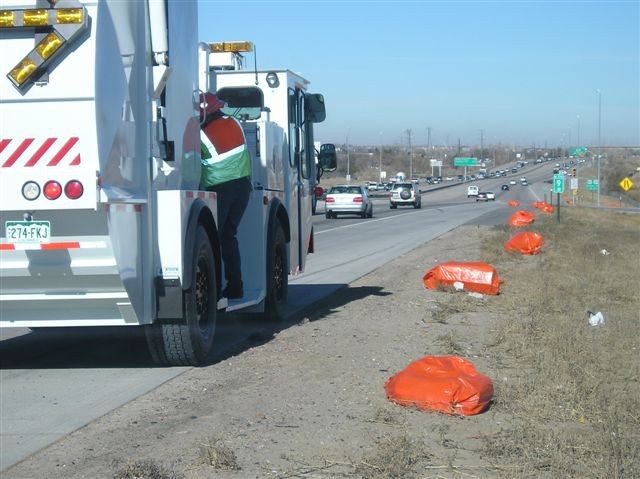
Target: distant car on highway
{"type": "Point", "coordinates": [472, 190]}
{"type": "Point", "coordinates": [512, 182]}
{"type": "Point", "coordinates": [486, 196]}
{"type": "Point", "coordinates": [348, 199]}
{"type": "Point", "coordinates": [404, 194]}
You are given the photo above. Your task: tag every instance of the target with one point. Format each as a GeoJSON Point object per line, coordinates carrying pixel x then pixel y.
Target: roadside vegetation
{"type": "Point", "coordinates": [571, 389]}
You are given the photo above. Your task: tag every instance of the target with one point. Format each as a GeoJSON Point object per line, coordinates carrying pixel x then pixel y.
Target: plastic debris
{"type": "Point", "coordinates": [525, 242]}
{"type": "Point", "coordinates": [595, 319]}
{"type": "Point", "coordinates": [448, 384]}
{"type": "Point", "coordinates": [513, 203]}
{"type": "Point", "coordinates": [543, 206]}
{"type": "Point", "coordinates": [604, 252]}
{"type": "Point", "coordinates": [458, 286]}
{"type": "Point", "coordinates": [521, 218]}
{"type": "Point", "coordinates": [474, 276]}
{"type": "Point", "coordinates": [473, 294]}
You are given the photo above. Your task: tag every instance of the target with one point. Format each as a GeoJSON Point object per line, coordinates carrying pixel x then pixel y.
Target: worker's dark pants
{"type": "Point", "coordinates": [233, 197]}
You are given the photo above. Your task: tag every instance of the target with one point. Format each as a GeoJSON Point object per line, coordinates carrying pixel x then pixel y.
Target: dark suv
{"type": "Point", "coordinates": [403, 194]}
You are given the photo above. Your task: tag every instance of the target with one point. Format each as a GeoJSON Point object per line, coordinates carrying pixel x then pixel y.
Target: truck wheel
{"type": "Point", "coordinates": [277, 275]}
{"type": "Point", "coordinates": [187, 342]}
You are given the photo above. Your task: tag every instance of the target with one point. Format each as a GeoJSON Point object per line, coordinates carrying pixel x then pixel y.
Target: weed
{"type": "Point", "coordinates": [394, 457]}
{"type": "Point", "coordinates": [144, 469]}
{"type": "Point", "coordinates": [215, 454]}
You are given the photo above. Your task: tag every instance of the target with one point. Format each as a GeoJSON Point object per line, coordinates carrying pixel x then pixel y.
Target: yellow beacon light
{"type": "Point", "coordinates": [7, 19]}
{"type": "Point", "coordinates": [35, 18]}
{"type": "Point", "coordinates": [231, 47]}
{"type": "Point", "coordinates": [22, 71]}
{"type": "Point", "coordinates": [48, 45]}
{"type": "Point", "coordinates": [69, 15]}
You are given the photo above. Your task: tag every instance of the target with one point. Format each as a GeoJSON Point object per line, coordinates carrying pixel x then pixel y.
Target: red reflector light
{"type": "Point", "coordinates": [357, 199]}
{"type": "Point", "coordinates": [73, 189]}
{"type": "Point", "coordinates": [330, 199]}
{"type": "Point", "coordinates": [52, 190]}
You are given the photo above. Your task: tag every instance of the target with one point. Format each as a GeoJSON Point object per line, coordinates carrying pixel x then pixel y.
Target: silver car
{"type": "Point", "coordinates": [348, 199]}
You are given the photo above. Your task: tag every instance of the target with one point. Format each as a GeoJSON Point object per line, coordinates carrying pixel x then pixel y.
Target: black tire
{"type": "Point", "coordinates": [417, 205]}
{"type": "Point", "coordinates": [370, 215]}
{"type": "Point", "coordinates": [327, 215]}
{"type": "Point", "coordinates": [187, 342]}
{"type": "Point", "coordinates": [393, 207]}
{"type": "Point", "coordinates": [363, 214]}
{"type": "Point", "coordinates": [277, 274]}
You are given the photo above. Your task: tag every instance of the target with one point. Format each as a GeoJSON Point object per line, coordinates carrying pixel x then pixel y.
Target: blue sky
{"type": "Point", "coordinates": [524, 73]}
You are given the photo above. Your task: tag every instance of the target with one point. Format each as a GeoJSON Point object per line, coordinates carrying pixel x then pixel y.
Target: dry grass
{"type": "Point", "coordinates": [573, 390]}
{"type": "Point", "coordinates": [144, 469]}
{"type": "Point", "coordinates": [393, 457]}
{"type": "Point", "coordinates": [214, 453]}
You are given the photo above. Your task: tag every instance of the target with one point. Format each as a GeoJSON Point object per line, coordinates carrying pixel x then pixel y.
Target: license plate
{"type": "Point", "coordinates": [28, 231]}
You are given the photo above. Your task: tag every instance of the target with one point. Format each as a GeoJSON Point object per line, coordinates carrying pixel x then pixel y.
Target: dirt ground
{"type": "Point", "coordinates": [306, 399]}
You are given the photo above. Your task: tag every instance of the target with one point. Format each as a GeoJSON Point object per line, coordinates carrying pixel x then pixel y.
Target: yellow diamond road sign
{"type": "Point", "coordinates": [626, 184]}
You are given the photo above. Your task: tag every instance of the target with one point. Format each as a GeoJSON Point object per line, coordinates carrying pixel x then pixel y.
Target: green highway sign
{"type": "Point", "coordinates": [558, 183]}
{"type": "Point", "coordinates": [577, 151]}
{"type": "Point", "coordinates": [465, 161]}
{"type": "Point", "coordinates": [592, 185]}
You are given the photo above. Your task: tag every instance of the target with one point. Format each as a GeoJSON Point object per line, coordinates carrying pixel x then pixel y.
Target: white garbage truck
{"type": "Point", "coordinates": [104, 221]}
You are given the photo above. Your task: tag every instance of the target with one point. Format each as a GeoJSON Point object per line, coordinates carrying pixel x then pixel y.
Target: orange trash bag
{"type": "Point", "coordinates": [521, 218]}
{"type": "Point", "coordinates": [543, 206]}
{"type": "Point", "coordinates": [473, 276]}
{"type": "Point", "coordinates": [448, 384]}
{"type": "Point", "coordinates": [513, 203]}
{"type": "Point", "coordinates": [525, 242]}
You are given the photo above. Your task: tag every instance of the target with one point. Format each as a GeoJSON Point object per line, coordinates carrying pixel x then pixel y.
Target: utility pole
{"type": "Point", "coordinates": [429, 138]}
{"type": "Point", "coordinates": [410, 156]}
{"type": "Point", "coordinates": [481, 144]}
{"type": "Point", "coordinates": [599, 139]}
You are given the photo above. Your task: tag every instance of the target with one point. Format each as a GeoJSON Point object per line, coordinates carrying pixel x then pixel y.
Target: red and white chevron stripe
{"type": "Point", "coordinates": [30, 152]}
{"type": "Point", "coordinates": [53, 246]}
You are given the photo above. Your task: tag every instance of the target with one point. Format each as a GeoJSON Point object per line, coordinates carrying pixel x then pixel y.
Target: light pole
{"type": "Point", "coordinates": [599, 139]}
{"type": "Point", "coordinates": [578, 145]}
{"type": "Point", "coordinates": [348, 159]}
{"type": "Point", "coordinates": [380, 161]}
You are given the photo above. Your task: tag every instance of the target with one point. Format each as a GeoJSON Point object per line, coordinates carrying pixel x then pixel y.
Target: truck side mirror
{"type": "Point", "coordinates": [327, 158]}
{"type": "Point", "coordinates": [315, 107]}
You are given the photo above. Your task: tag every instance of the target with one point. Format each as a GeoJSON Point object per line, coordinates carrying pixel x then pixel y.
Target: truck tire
{"type": "Point", "coordinates": [277, 274]}
{"type": "Point", "coordinates": [187, 342]}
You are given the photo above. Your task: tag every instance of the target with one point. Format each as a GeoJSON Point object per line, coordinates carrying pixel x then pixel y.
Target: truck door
{"type": "Point", "coordinates": [302, 156]}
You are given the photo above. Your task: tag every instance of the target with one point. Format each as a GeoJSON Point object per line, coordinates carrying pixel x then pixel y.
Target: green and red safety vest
{"type": "Point", "coordinates": [224, 152]}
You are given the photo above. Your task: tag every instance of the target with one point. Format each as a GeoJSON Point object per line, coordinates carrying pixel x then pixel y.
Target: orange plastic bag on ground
{"type": "Point", "coordinates": [447, 384]}
{"type": "Point", "coordinates": [472, 276]}
{"type": "Point", "coordinates": [525, 242]}
{"type": "Point", "coordinates": [543, 206]}
{"type": "Point", "coordinates": [521, 218]}
{"type": "Point", "coordinates": [513, 203]}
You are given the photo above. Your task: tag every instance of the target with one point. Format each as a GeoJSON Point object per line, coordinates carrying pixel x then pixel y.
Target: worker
{"type": "Point", "coordinates": [226, 169]}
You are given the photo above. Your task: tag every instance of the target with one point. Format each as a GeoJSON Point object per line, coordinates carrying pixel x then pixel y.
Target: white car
{"type": "Point", "coordinates": [405, 194]}
{"type": "Point", "coordinates": [348, 199]}
{"type": "Point", "coordinates": [486, 196]}
{"type": "Point", "coordinates": [472, 190]}
{"type": "Point", "coordinates": [512, 182]}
